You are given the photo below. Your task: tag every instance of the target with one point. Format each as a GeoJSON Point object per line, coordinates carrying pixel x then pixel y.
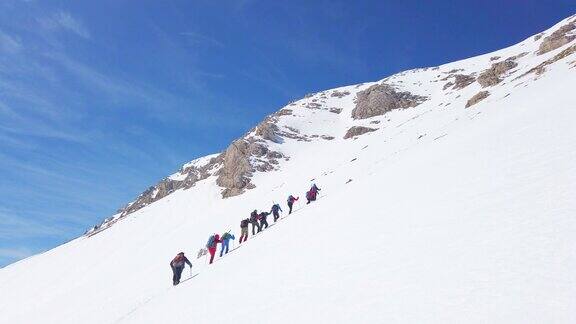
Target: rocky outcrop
{"type": "Point", "coordinates": [339, 94]}
{"type": "Point", "coordinates": [335, 110]}
{"type": "Point", "coordinates": [245, 156]}
{"type": "Point", "coordinates": [477, 98]}
{"type": "Point", "coordinates": [268, 131]}
{"type": "Point", "coordinates": [381, 98]}
{"type": "Point", "coordinates": [491, 76]}
{"type": "Point", "coordinates": [541, 68]}
{"type": "Point", "coordinates": [558, 38]}
{"type": "Point", "coordinates": [234, 175]}
{"type": "Point", "coordinates": [538, 36]}
{"type": "Point", "coordinates": [233, 167]}
{"type": "Point", "coordinates": [313, 105]}
{"type": "Point", "coordinates": [283, 112]}
{"type": "Point", "coordinates": [461, 81]}
{"type": "Point", "coordinates": [358, 130]}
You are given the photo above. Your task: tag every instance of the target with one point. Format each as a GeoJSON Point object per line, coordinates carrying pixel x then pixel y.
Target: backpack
{"type": "Point", "coordinates": [244, 223]}
{"type": "Point", "coordinates": [225, 236]}
{"type": "Point", "coordinates": [290, 199]}
{"type": "Point", "coordinates": [178, 261]}
{"type": "Point", "coordinates": [210, 241]}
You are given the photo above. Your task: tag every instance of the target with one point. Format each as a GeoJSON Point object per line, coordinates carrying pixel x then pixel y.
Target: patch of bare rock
{"type": "Point", "coordinates": [358, 130]}
{"type": "Point", "coordinates": [558, 38]}
{"type": "Point", "coordinates": [381, 98]}
{"type": "Point", "coordinates": [461, 81]}
{"type": "Point", "coordinates": [491, 76]}
{"type": "Point", "coordinates": [541, 68]}
{"type": "Point", "coordinates": [477, 98]}
{"type": "Point", "coordinates": [339, 94]}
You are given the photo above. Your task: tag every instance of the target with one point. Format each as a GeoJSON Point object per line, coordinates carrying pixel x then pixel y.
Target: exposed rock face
{"type": "Point", "coordinates": [557, 39]}
{"type": "Point", "coordinates": [461, 81]}
{"type": "Point", "coordinates": [268, 131]}
{"type": "Point", "coordinates": [491, 76]}
{"type": "Point", "coordinates": [339, 94]}
{"type": "Point", "coordinates": [234, 166]}
{"type": "Point", "coordinates": [477, 98]}
{"type": "Point", "coordinates": [293, 133]}
{"type": "Point", "coordinates": [335, 110]}
{"type": "Point", "coordinates": [235, 173]}
{"type": "Point", "coordinates": [358, 130]}
{"type": "Point", "coordinates": [381, 98]}
{"type": "Point", "coordinates": [283, 112]}
{"type": "Point", "coordinates": [541, 68]}
{"type": "Point", "coordinates": [313, 105]}
{"type": "Point", "coordinates": [538, 36]}
{"type": "Point", "coordinates": [247, 155]}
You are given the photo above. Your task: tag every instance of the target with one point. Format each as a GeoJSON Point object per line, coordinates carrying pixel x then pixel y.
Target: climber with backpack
{"type": "Point", "coordinates": [263, 222]}
{"type": "Point", "coordinates": [226, 237]}
{"type": "Point", "coordinates": [244, 230]}
{"type": "Point", "coordinates": [274, 210]}
{"type": "Point", "coordinates": [311, 194]}
{"type": "Point", "coordinates": [254, 217]}
{"type": "Point", "coordinates": [177, 264]}
{"type": "Point", "coordinates": [212, 245]}
{"type": "Point", "coordinates": [291, 201]}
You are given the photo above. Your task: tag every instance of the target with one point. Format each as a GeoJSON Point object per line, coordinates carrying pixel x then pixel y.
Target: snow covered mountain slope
{"type": "Point", "coordinates": [429, 211]}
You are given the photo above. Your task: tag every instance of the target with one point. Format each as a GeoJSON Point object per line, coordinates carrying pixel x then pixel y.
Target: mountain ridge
{"type": "Point", "coordinates": [234, 180]}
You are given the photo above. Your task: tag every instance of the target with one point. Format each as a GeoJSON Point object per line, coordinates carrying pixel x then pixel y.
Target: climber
{"type": "Point", "coordinates": [226, 237]}
{"type": "Point", "coordinates": [212, 245]}
{"type": "Point", "coordinates": [311, 194]}
{"type": "Point", "coordinates": [177, 264]}
{"type": "Point", "coordinates": [263, 222]}
{"type": "Point", "coordinates": [291, 201]}
{"type": "Point", "coordinates": [254, 217]}
{"type": "Point", "coordinates": [244, 230]}
{"type": "Point", "coordinates": [274, 210]}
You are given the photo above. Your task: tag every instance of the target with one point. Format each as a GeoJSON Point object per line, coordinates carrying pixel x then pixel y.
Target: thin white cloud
{"type": "Point", "coordinates": [13, 226]}
{"type": "Point", "coordinates": [63, 20]}
{"type": "Point", "coordinates": [9, 44]}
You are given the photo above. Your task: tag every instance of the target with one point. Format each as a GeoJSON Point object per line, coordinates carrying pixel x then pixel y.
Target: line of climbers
{"type": "Point", "coordinates": [259, 223]}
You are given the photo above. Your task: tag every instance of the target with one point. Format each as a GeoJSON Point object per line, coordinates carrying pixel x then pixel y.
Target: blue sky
{"type": "Point", "coordinates": [101, 99]}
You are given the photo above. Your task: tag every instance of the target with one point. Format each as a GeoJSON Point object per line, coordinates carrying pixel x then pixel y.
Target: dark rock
{"type": "Point", "coordinates": [358, 130]}
{"type": "Point", "coordinates": [477, 98]}
{"type": "Point", "coordinates": [381, 98]}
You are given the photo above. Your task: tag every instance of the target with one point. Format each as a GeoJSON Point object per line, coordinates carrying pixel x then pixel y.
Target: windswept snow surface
{"type": "Point", "coordinates": [452, 215]}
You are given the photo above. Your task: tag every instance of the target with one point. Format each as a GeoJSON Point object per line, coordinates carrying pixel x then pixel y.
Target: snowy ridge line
{"type": "Point", "coordinates": [492, 70]}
